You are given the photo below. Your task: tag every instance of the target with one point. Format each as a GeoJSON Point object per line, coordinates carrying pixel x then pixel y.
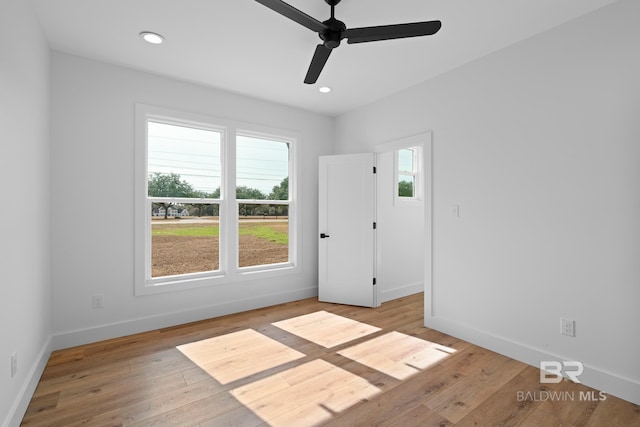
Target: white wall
{"type": "Point", "coordinates": [25, 296]}
{"type": "Point", "coordinates": [92, 169]}
{"type": "Point", "coordinates": [539, 144]}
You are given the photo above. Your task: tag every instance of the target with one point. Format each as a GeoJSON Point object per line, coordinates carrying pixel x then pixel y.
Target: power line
{"type": "Point", "coordinates": [180, 153]}
{"type": "Point", "coordinates": [170, 164]}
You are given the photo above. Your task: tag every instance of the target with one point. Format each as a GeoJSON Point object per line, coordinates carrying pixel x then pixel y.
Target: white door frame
{"type": "Point", "coordinates": [426, 141]}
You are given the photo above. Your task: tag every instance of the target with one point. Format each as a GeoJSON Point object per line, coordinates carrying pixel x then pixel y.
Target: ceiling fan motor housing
{"type": "Point", "coordinates": [334, 33]}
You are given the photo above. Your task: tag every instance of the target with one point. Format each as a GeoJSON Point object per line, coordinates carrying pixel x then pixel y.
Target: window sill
{"type": "Point", "coordinates": [199, 280]}
{"type": "Point", "coordinates": [408, 202]}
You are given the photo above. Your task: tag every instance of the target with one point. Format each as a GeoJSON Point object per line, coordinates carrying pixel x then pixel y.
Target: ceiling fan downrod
{"type": "Point", "coordinates": [334, 33]}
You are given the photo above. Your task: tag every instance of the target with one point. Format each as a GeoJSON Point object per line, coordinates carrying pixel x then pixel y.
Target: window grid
{"type": "Point", "coordinates": [407, 173]}
{"type": "Point", "coordinates": [226, 174]}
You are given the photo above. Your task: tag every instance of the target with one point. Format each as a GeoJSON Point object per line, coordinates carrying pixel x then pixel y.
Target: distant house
{"type": "Point", "coordinates": [172, 212]}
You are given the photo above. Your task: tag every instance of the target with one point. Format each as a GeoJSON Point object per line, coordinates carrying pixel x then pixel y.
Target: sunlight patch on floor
{"type": "Point", "coordinates": [238, 355]}
{"type": "Point", "coordinates": [397, 355]}
{"type": "Point", "coordinates": [314, 391]}
{"type": "Point", "coordinates": [326, 329]}
{"type": "Point", "coordinates": [305, 395]}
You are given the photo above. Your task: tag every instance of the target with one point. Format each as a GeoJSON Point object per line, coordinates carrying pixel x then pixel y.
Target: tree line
{"type": "Point", "coordinates": [172, 185]}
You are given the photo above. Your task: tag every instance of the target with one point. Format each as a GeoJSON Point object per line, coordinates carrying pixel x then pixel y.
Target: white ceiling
{"type": "Point", "coordinates": [244, 47]}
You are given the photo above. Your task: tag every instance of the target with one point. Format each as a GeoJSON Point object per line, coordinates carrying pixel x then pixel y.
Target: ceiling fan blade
{"type": "Point", "coordinates": [388, 32]}
{"type": "Point", "coordinates": [294, 14]}
{"type": "Point", "coordinates": [317, 63]}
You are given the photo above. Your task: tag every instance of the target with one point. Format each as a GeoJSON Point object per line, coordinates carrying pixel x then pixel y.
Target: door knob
{"type": "Point", "coordinates": [323, 236]}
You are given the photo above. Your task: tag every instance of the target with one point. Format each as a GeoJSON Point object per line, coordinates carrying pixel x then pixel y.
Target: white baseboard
{"type": "Point", "coordinates": [21, 403]}
{"type": "Point", "coordinates": [128, 327]}
{"type": "Point", "coordinates": [612, 384]}
{"type": "Point", "coordinates": [401, 291]}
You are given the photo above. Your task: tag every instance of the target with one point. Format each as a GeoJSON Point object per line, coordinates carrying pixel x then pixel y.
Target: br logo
{"type": "Point", "coordinates": [551, 371]}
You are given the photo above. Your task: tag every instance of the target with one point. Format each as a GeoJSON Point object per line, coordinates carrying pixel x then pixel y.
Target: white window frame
{"type": "Point", "coordinates": [291, 216]}
{"type": "Point", "coordinates": [418, 192]}
{"type": "Point", "coordinates": [229, 271]}
{"type": "Point", "coordinates": [412, 173]}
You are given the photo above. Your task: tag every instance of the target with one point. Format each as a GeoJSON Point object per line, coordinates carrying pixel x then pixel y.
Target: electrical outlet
{"type": "Point", "coordinates": [568, 327]}
{"type": "Point", "coordinates": [14, 364]}
{"type": "Point", "coordinates": [98, 301]}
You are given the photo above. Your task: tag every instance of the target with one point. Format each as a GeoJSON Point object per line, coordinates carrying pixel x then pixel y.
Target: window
{"type": "Point", "coordinates": [213, 202]}
{"type": "Point", "coordinates": [262, 173]}
{"type": "Point", "coordinates": [407, 175]}
{"type": "Point", "coordinates": [183, 194]}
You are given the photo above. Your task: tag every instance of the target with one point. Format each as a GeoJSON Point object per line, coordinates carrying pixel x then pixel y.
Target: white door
{"type": "Point", "coordinates": [346, 227]}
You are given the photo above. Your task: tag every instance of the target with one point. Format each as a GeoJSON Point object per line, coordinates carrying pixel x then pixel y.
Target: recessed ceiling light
{"type": "Point", "coordinates": [325, 89]}
{"type": "Point", "coordinates": [152, 38]}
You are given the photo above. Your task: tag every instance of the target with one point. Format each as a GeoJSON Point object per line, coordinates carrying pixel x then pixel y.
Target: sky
{"type": "Point", "coordinates": [195, 154]}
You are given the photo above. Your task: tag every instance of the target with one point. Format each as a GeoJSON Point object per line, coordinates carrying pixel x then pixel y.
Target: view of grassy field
{"type": "Point", "coordinates": [274, 232]}
{"type": "Point", "coordinates": [271, 232]}
{"type": "Point", "coordinates": [202, 230]}
{"type": "Point", "coordinates": [181, 247]}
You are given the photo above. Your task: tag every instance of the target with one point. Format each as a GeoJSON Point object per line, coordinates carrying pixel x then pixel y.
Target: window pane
{"type": "Point", "coordinates": [184, 239]}
{"type": "Point", "coordinates": [405, 160]}
{"type": "Point", "coordinates": [263, 234]}
{"type": "Point", "coordinates": [262, 168]}
{"type": "Point", "coordinates": [183, 161]}
{"type": "Point", "coordinates": [406, 186]}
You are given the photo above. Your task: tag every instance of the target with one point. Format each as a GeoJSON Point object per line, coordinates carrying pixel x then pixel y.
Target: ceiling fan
{"type": "Point", "coordinates": [332, 31]}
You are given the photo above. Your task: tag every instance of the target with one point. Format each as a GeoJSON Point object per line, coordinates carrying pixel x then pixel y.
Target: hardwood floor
{"type": "Point", "coordinates": [308, 363]}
